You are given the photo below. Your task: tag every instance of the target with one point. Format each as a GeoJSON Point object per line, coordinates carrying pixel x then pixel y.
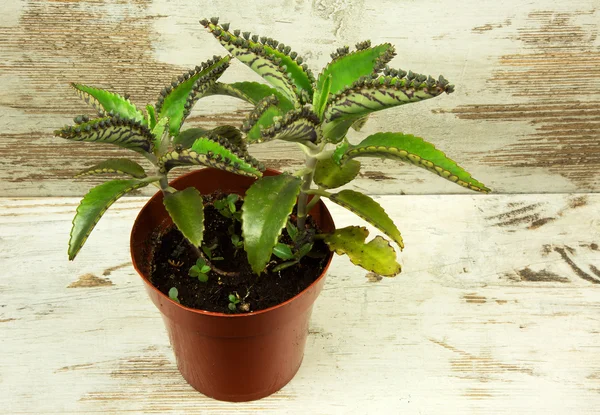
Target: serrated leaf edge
{"type": "Point", "coordinates": [142, 183]}
{"type": "Point", "coordinates": [336, 200]}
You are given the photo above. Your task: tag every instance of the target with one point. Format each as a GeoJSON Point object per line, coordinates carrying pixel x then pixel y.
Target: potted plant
{"type": "Point", "coordinates": [235, 255]}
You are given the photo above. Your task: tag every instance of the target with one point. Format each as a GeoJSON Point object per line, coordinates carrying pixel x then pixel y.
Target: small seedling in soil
{"type": "Point", "coordinates": [173, 293]}
{"type": "Point", "coordinates": [208, 252]}
{"type": "Point", "coordinates": [200, 270]}
{"type": "Point", "coordinates": [227, 208]}
{"type": "Point", "coordinates": [234, 300]}
{"type": "Point", "coordinates": [236, 241]}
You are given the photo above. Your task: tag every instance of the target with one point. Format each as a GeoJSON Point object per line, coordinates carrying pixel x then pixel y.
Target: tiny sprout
{"type": "Point", "coordinates": [200, 270]}
{"type": "Point", "coordinates": [291, 230]}
{"type": "Point", "coordinates": [173, 293]}
{"type": "Point", "coordinates": [234, 300]}
{"type": "Point", "coordinates": [173, 263]}
{"type": "Point", "coordinates": [236, 241]}
{"type": "Point", "coordinates": [208, 252]}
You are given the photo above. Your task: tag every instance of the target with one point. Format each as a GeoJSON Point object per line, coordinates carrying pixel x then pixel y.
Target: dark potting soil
{"type": "Point", "coordinates": [173, 257]}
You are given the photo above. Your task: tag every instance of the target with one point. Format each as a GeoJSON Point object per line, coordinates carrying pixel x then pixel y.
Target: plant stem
{"type": "Point", "coordinates": [311, 164]}
{"type": "Point", "coordinates": [313, 202]}
{"type": "Point", "coordinates": [216, 270]}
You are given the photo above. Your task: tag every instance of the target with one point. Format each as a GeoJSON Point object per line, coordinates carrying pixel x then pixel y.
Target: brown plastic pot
{"type": "Point", "coordinates": [230, 357]}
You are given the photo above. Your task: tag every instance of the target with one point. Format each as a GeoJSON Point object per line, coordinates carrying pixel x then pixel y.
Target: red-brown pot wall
{"type": "Point", "coordinates": [237, 357]}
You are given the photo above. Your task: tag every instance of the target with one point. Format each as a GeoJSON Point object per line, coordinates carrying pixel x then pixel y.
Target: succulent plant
{"type": "Point", "coordinates": [315, 113]}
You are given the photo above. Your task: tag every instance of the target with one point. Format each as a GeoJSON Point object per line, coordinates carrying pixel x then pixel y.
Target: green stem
{"type": "Point", "coordinates": [311, 164]}
{"type": "Point", "coordinates": [312, 203]}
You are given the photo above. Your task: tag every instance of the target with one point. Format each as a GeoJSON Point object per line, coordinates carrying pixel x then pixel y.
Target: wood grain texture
{"type": "Point", "coordinates": [525, 117]}
{"type": "Point", "coordinates": [496, 312]}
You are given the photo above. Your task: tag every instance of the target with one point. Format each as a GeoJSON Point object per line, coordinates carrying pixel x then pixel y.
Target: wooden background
{"type": "Point", "coordinates": [525, 116]}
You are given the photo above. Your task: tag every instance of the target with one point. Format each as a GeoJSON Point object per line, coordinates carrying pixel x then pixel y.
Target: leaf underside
{"type": "Point", "coordinates": [187, 211]}
{"type": "Point", "coordinates": [217, 153]}
{"type": "Point", "coordinates": [161, 140]}
{"type": "Point", "coordinates": [94, 204]}
{"type": "Point", "coordinates": [188, 137]}
{"type": "Point", "coordinates": [260, 118]}
{"type": "Point", "coordinates": [251, 92]}
{"type": "Point", "coordinates": [414, 150]}
{"type": "Point", "coordinates": [371, 211]}
{"type": "Point", "coordinates": [113, 130]}
{"type": "Point", "coordinates": [329, 175]}
{"type": "Point", "coordinates": [122, 166]}
{"type": "Point", "coordinates": [106, 102]}
{"type": "Point", "coordinates": [376, 256]}
{"type": "Point", "coordinates": [298, 126]}
{"type": "Point", "coordinates": [177, 100]}
{"type": "Point", "coordinates": [268, 58]}
{"type": "Point", "coordinates": [369, 95]}
{"type": "Point", "coordinates": [267, 206]}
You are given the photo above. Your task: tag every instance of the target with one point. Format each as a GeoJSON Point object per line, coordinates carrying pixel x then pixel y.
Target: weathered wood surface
{"type": "Point", "coordinates": [496, 312]}
{"type": "Point", "coordinates": [525, 117]}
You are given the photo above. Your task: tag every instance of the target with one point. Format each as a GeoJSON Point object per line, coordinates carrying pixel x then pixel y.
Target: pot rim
{"type": "Point", "coordinates": [213, 313]}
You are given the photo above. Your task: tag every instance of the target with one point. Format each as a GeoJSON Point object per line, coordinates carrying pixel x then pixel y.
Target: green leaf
{"type": "Point", "coordinates": [292, 230]}
{"type": "Point", "coordinates": [231, 134]}
{"type": "Point", "coordinates": [376, 256]}
{"type": "Point", "coordinates": [261, 117]}
{"type": "Point", "coordinates": [186, 209]}
{"type": "Point", "coordinates": [320, 100]}
{"type": "Point", "coordinates": [161, 140]}
{"type": "Point", "coordinates": [232, 307]}
{"type": "Point", "coordinates": [176, 101]}
{"type": "Point", "coordinates": [339, 151]}
{"type": "Point", "coordinates": [106, 102]}
{"type": "Point", "coordinates": [416, 151]}
{"type": "Point", "coordinates": [360, 123]}
{"type": "Point", "coordinates": [252, 92]}
{"type": "Point", "coordinates": [218, 154]}
{"type": "Point", "coordinates": [299, 126]}
{"type": "Point", "coordinates": [283, 251]}
{"type": "Point", "coordinates": [187, 137]}
{"type": "Point", "coordinates": [267, 206]}
{"type": "Point", "coordinates": [122, 166]}
{"type": "Point", "coordinates": [94, 204]}
{"type": "Point", "coordinates": [113, 130]}
{"type": "Point", "coordinates": [329, 175]}
{"type": "Point", "coordinates": [304, 249]}
{"type": "Point", "coordinates": [202, 277]}
{"type": "Point", "coordinates": [150, 116]}
{"type": "Point", "coordinates": [173, 293]}
{"type": "Point", "coordinates": [231, 201]}
{"type": "Point", "coordinates": [369, 210]}
{"type": "Point", "coordinates": [279, 69]}
{"type": "Point", "coordinates": [346, 69]}
{"type": "Point", "coordinates": [285, 265]}
{"type": "Point", "coordinates": [204, 269]}
{"type": "Point", "coordinates": [194, 271]}
{"type": "Point", "coordinates": [368, 95]}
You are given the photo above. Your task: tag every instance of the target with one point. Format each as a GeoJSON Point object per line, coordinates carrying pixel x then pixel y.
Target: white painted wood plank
{"type": "Point", "coordinates": [524, 117]}
{"type": "Point", "coordinates": [496, 312]}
